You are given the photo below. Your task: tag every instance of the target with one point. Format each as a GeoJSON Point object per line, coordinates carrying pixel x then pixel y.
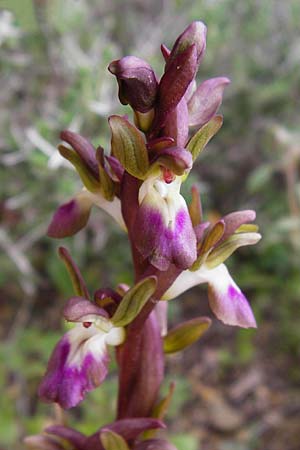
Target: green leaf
{"type": "Point", "coordinates": [113, 441]}
{"type": "Point", "coordinates": [204, 135]}
{"type": "Point", "coordinates": [134, 301]}
{"type": "Point", "coordinates": [128, 147]}
{"type": "Point", "coordinates": [185, 334]}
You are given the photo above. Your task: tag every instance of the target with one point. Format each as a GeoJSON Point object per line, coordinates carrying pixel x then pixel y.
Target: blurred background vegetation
{"type": "Point", "coordinates": [236, 389]}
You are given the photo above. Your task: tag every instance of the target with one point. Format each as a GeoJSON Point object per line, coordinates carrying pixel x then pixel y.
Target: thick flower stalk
{"type": "Point", "coordinates": [137, 181]}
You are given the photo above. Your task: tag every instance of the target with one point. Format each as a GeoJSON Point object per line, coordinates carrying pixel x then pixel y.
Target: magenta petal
{"type": "Point", "coordinates": [67, 382]}
{"type": "Point", "coordinates": [235, 219]}
{"type": "Point", "coordinates": [205, 102]}
{"type": "Point", "coordinates": [177, 124]}
{"type": "Point", "coordinates": [227, 301]}
{"type": "Point", "coordinates": [69, 218]}
{"type": "Point", "coordinates": [162, 244]}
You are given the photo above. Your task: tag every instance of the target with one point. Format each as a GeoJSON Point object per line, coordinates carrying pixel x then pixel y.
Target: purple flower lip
{"type": "Point", "coordinates": [235, 219]}
{"type": "Point", "coordinates": [226, 300]}
{"type": "Point", "coordinates": [78, 307]}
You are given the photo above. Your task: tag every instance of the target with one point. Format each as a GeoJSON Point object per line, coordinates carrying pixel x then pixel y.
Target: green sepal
{"type": "Point", "coordinates": [223, 251]}
{"type": "Point", "coordinates": [195, 207]}
{"type": "Point", "coordinates": [107, 184]}
{"type": "Point", "coordinates": [78, 282]}
{"type": "Point", "coordinates": [113, 441]}
{"type": "Point", "coordinates": [213, 237]}
{"type": "Point", "coordinates": [247, 228]}
{"type": "Point", "coordinates": [133, 301]}
{"type": "Point", "coordinates": [204, 135]}
{"type": "Point", "coordinates": [185, 334]}
{"type": "Point", "coordinates": [129, 147]}
{"type": "Point", "coordinates": [87, 178]}
{"type": "Point", "coordinates": [144, 120]}
{"type": "Point", "coordinates": [199, 261]}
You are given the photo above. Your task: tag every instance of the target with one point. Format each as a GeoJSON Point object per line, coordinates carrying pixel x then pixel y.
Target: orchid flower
{"type": "Point", "coordinates": [215, 245]}
{"type": "Point", "coordinates": [226, 299]}
{"type": "Point", "coordinates": [79, 362]}
{"type": "Point", "coordinates": [100, 176]}
{"type": "Point", "coordinates": [163, 228]}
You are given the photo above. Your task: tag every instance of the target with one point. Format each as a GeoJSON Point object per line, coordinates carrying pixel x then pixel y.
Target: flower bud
{"type": "Point", "coordinates": [71, 217]}
{"type": "Point", "coordinates": [195, 33]}
{"type": "Point", "coordinates": [137, 82]}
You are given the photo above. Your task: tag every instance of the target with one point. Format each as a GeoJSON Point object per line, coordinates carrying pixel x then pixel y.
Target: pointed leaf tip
{"type": "Point", "coordinates": [133, 301]}
{"type": "Point", "coordinates": [185, 334]}
{"type": "Point", "coordinates": [129, 147]}
{"type": "Point", "coordinates": [202, 137]}
{"type": "Point", "coordinates": [78, 282]}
